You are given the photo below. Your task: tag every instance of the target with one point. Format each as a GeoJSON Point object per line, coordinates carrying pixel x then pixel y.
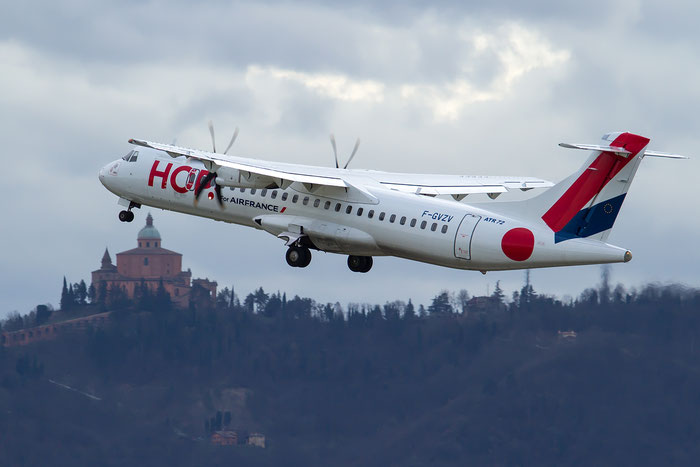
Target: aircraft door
{"type": "Point", "coordinates": [463, 239]}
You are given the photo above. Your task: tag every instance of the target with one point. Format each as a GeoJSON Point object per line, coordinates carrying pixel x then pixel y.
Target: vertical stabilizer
{"type": "Point", "coordinates": [587, 203]}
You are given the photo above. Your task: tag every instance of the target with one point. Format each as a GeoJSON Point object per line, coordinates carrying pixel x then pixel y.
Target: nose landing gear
{"type": "Point", "coordinates": [298, 257]}
{"type": "Point", "coordinates": [360, 263]}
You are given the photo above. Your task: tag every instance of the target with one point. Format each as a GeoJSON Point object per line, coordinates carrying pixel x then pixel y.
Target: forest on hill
{"type": "Point", "coordinates": [460, 382]}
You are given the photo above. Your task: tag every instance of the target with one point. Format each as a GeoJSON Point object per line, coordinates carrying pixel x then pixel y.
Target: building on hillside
{"type": "Point", "coordinates": [484, 304]}
{"type": "Point", "coordinates": [256, 439]}
{"type": "Point", "coordinates": [149, 264]}
{"type": "Point", "coordinates": [224, 438]}
{"type": "Point", "coordinates": [51, 331]}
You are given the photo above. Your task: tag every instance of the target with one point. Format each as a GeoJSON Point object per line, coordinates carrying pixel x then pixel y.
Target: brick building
{"type": "Point", "coordinates": [149, 264]}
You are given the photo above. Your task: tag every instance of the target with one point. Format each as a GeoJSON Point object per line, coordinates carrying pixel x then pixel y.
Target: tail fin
{"type": "Point", "coordinates": [587, 203]}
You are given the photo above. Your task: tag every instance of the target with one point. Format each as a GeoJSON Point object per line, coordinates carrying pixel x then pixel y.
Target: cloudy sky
{"type": "Point", "coordinates": [429, 87]}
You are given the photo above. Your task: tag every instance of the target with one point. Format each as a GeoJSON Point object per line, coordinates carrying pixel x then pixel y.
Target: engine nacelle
{"type": "Point", "coordinates": [241, 179]}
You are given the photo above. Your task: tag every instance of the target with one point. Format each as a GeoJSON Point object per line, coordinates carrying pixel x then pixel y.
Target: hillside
{"type": "Point", "coordinates": [379, 386]}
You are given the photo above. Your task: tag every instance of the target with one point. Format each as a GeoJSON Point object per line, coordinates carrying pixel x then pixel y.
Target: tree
{"type": "Point", "coordinates": [260, 298]}
{"type": "Point", "coordinates": [410, 311]}
{"type": "Point", "coordinates": [65, 305]}
{"type": "Point", "coordinates": [224, 298]}
{"type": "Point", "coordinates": [498, 294]}
{"type": "Point", "coordinates": [71, 297]}
{"type": "Point", "coordinates": [92, 293]}
{"type": "Point", "coordinates": [441, 303]}
{"type": "Point", "coordinates": [81, 293]}
{"type": "Point", "coordinates": [102, 293]}
{"type": "Point", "coordinates": [462, 300]}
{"type": "Point", "coordinates": [163, 302]}
{"type": "Point", "coordinates": [273, 306]}
{"type": "Point", "coordinates": [42, 314]}
{"type": "Point", "coordinates": [604, 290]}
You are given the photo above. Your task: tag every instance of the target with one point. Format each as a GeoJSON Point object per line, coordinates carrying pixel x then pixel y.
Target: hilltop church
{"type": "Point", "coordinates": [149, 263]}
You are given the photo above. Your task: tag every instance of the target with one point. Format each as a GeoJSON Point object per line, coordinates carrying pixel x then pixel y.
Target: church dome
{"type": "Point", "coordinates": [149, 232]}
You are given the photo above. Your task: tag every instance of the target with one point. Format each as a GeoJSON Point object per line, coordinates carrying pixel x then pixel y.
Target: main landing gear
{"type": "Point", "coordinates": [298, 256]}
{"type": "Point", "coordinates": [127, 215]}
{"type": "Point", "coordinates": [360, 263]}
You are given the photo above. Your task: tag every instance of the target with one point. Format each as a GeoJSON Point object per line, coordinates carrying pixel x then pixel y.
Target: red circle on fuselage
{"type": "Point", "coordinates": [518, 244]}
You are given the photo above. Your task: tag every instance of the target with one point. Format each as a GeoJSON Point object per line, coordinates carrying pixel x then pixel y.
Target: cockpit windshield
{"type": "Point", "coordinates": [131, 156]}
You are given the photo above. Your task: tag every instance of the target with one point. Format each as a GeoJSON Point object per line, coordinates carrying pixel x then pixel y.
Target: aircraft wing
{"type": "Point", "coordinates": [284, 174]}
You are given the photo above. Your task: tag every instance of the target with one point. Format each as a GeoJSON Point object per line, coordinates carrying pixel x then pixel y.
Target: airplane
{"type": "Point", "coordinates": [365, 213]}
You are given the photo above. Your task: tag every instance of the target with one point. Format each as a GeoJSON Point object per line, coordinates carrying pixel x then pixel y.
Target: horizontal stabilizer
{"type": "Point", "coordinates": [663, 154]}
{"type": "Point", "coordinates": [596, 147]}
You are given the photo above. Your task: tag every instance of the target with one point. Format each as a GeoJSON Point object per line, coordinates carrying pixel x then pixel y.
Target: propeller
{"type": "Point", "coordinates": [335, 152]}
{"type": "Point", "coordinates": [212, 173]}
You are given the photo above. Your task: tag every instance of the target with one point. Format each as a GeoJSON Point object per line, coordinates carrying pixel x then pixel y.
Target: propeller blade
{"type": "Point", "coordinates": [211, 131]}
{"type": "Point", "coordinates": [219, 197]}
{"type": "Point", "coordinates": [207, 178]}
{"type": "Point", "coordinates": [335, 151]}
{"type": "Point", "coordinates": [357, 145]}
{"type": "Point", "coordinates": [235, 134]}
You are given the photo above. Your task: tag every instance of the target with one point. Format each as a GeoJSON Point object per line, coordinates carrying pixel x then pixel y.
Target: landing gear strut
{"type": "Point", "coordinates": [298, 257]}
{"type": "Point", "coordinates": [360, 263]}
{"type": "Point", "coordinates": [127, 215]}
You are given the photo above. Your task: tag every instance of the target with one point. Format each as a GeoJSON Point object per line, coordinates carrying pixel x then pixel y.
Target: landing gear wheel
{"type": "Point", "coordinates": [360, 263]}
{"type": "Point", "coordinates": [298, 257]}
{"type": "Point", "coordinates": [126, 216]}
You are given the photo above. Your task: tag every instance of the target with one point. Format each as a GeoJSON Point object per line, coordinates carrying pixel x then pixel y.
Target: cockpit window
{"type": "Point", "coordinates": [131, 156]}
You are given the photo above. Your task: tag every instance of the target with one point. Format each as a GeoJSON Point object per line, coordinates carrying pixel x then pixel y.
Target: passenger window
{"type": "Point", "coordinates": [253, 190]}
{"type": "Point", "coordinates": [348, 210]}
{"type": "Point", "coordinates": [284, 196]}
{"type": "Point", "coordinates": [242, 190]}
{"type": "Point", "coordinates": [337, 207]}
{"type": "Point", "coordinates": [263, 192]}
{"type": "Point", "coordinates": [327, 205]}
{"type": "Point", "coordinates": [392, 218]}
{"type": "Point", "coordinates": [370, 214]}
{"type": "Point", "coordinates": [317, 202]}
{"type": "Point", "coordinates": [381, 216]}
{"type": "Point", "coordinates": [295, 198]}
{"type": "Point", "coordinates": [423, 224]}
{"type": "Point", "coordinates": [413, 222]}
{"type": "Point", "coordinates": [359, 211]}
{"type": "Point", "coordinates": [403, 220]}
{"type": "Point", "coordinates": [433, 227]}
{"type": "Point", "coordinates": [444, 228]}
{"type": "Point", "coordinates": [273, 194]}
{"type": "Point", "coordinates": [306, 201]}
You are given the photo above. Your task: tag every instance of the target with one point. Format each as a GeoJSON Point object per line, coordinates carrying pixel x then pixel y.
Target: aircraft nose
{"type": "Point", "coordinates": [102, 174]}
{"type": "Point", "coordinates": [106, 173]}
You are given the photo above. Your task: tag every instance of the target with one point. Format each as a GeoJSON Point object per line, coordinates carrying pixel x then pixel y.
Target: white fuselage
{"type": "Point", "coordinates": [432, 230]}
